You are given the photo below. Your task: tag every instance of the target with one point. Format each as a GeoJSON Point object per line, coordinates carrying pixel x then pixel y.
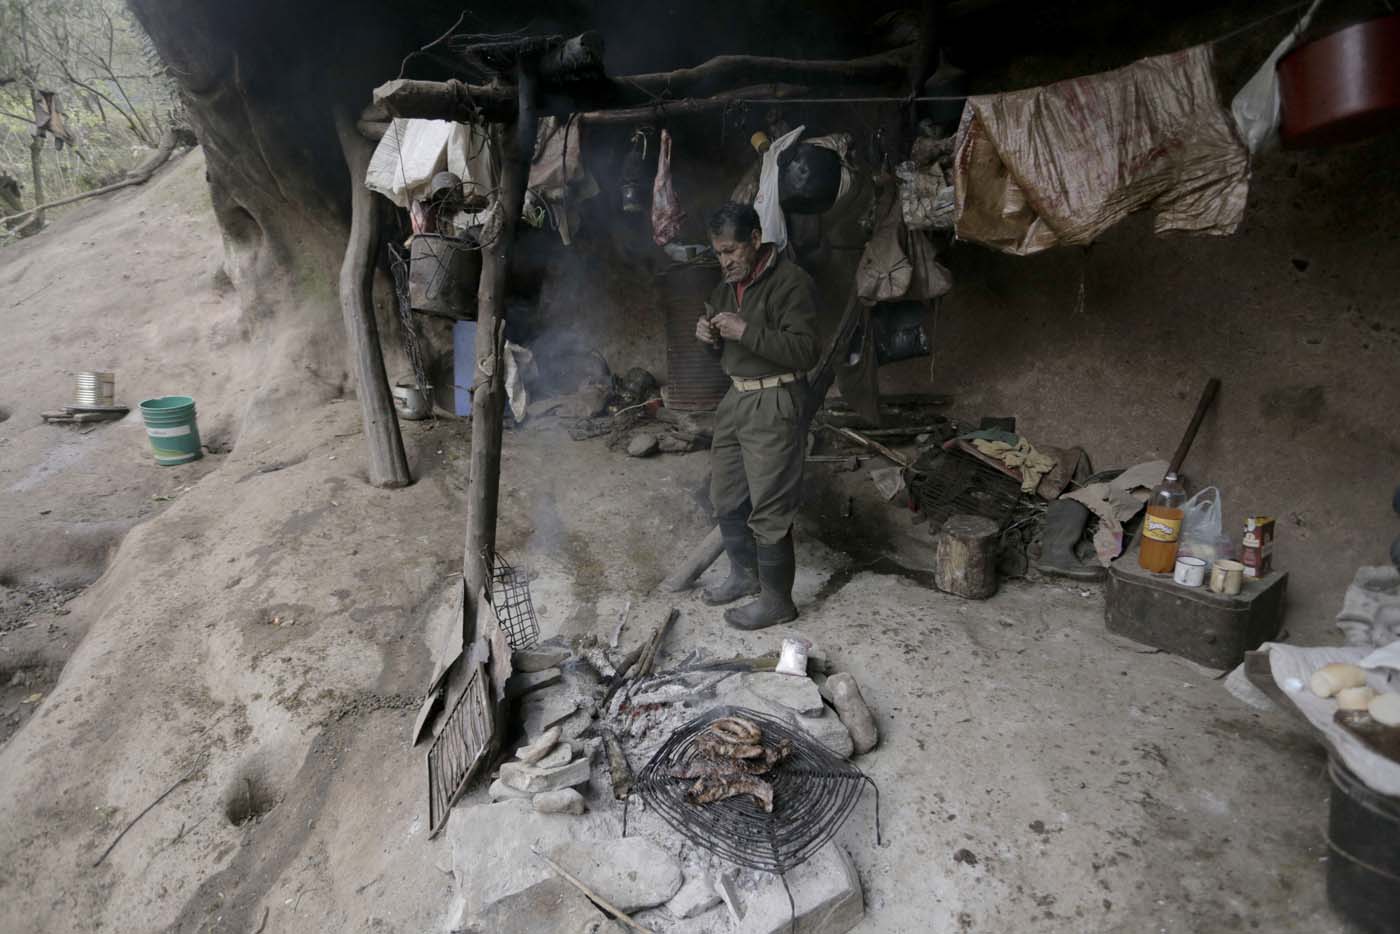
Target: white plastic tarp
{"type": "Point", "coordinates": [407, 158]}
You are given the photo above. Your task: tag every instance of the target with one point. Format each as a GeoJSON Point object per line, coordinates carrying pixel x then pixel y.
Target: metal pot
{"type": "Point", "coordinates": [1342, 87]}
{"type": "Point", "coordinates": [411, 403]}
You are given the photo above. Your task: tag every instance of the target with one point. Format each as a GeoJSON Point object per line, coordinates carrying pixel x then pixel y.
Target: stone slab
{"type": "Point", "coordinates": [500, 791]}
{"type": "Point", "coordinates": [545, 709]}
{"type": "Point", "coordinates": [534, 780]}
{"type": "Point", "coordinates": [523, 682]}
{"type": "Point", "coordinates": [563, 801]}
{"type": "Point", "coordinates": [825, 889]}
{"type": "Point", "coordinates": [796, 693]}
{"type": "Point", "coordinates": [630, 872]}
{"type": "Point", "coordinates": [491, 843]}
{"type": "Point", "coordinates": [537, 659]}
{"type": "Point", "coordinates": [551, 905]}
{"type": "Point", "coordinates": [540, 748]}
{"type": "Point", "coordinates": [696, 896]}
{"type": "Point", "coordinates": [830, 732]}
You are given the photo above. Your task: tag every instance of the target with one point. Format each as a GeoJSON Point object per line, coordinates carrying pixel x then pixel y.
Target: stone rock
{"type": "Point", "coordinates": [491, 844]}
{"type": "Point", "coordinates": [830, 732]}
{"type": "Point", "coordinates": [563, 801]}
{"type": "Point", "coordinates": [561, 755]}
{"type": "Point", "coordinates": [826, 893]}
{"type": "Point", "coordinates": [528, 778]}
{"type": "Point", "coordinates": [500, 791]}
{"type": "Point", "coordinates": [537, 659]}
{"type": "Point", "coordinates": [550, 905]}
{"type": "Point", "coordinates": [631, 873]}
{"type": "Point", "coordinates": [643, 446]}
{"type": "Point", "coordinates": [793, 692]}
{"type": "Point", "coordinates": [728, 892]}
{"type": "Point", "coordinates": [854, 712]}
{"type": "Point", "coordinates": [539, 748]}
{"type": "Point", "coordinates": [523, 682]}
{"type": "Point", "coordinates": [548, 709]}
{"type": "Point", "coordinates": [695, 897]}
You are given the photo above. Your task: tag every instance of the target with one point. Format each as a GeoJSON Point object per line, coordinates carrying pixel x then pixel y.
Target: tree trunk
{"type": "Point", "coordinates": [388, 467]}
{"type": "Point", "coordinates": [489, 382]}
{"type": "Point", "coordinates": [966, 557]}
{"type": "Point", "coordinates": [36, 149]}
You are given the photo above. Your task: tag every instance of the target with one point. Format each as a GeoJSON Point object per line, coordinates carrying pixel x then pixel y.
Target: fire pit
{"type": "Point", "coordinates": [813, 792]}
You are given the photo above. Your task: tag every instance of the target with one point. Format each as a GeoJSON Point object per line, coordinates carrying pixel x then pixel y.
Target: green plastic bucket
{"type": "Point", "coordinates": [171, 427]}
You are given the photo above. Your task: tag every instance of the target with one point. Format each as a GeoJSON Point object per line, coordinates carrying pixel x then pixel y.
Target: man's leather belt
{"type": "Point", "coordinates": [763, 382]}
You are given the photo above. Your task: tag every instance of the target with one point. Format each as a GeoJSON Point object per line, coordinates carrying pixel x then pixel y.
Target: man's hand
{"type": "Point", "coordinates": [705, 332]}
{"type": "Point", "coordinates": [730, 326]}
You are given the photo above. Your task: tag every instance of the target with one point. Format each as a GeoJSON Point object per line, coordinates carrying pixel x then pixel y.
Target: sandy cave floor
{"type": "Point", "coordinates": [255, 622]}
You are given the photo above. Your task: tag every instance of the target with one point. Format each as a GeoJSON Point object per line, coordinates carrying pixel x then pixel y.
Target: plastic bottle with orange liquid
{"type": "Point", "coordinates": [1161, 528]}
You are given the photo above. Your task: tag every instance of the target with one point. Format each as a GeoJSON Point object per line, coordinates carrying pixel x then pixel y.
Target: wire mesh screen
{"type": "Point", "coordinates": [510, 598]}
{"type": "Point", "coordinates": [946, 483]}
{"type": "Point", "coordinates": [814, 791]}
{"type": "Point", "coordinates": [459, 750]}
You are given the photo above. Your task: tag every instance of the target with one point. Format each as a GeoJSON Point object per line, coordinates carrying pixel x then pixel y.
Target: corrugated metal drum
{"type": "Point", "coordinates": [694, 379]}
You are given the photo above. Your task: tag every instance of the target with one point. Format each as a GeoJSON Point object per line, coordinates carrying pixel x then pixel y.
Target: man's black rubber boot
{"type": "Point", "coordinates": [743, 564]}
{"type": "Point", "coordinates": [777, 567]}
{"type": "Point", "coordinates": [1064, 524]}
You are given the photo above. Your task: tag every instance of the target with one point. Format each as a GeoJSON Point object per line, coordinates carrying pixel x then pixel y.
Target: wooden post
{"type": "Point", "coordinates": [966, 557]}
{"type": "Point", "coordinates": [489, 382]}
{"type": "Point", "coordinates": [388, 467]}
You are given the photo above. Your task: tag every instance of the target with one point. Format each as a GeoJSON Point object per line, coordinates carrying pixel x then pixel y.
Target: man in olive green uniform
{"type": "Point", "coordinates": [764, 317]}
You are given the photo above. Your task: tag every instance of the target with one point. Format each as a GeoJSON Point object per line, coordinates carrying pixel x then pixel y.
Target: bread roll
{"type": "Point", "coordinates": [1355, 698]}
{"type": "Point", "coordinates": [1329, 679]}
{"type": "Point", "coordinates": [1385, 708]}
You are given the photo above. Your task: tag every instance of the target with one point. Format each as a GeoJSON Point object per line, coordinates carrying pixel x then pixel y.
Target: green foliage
{"type": "Point", "coordinates": [114, 93]}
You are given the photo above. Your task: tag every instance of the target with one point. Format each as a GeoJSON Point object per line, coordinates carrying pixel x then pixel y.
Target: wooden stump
{"type": "Point", "coordinates": [966, 557]}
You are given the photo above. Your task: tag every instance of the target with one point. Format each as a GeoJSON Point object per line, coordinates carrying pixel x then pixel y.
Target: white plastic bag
{"type": "Point", "coordinates": [407, 158]}
{"type": "Point", "coordinates": [1202, 526]}
{"type": "Point", "coordinates": [766, 203]}
{"type": "Point", "coordinates": [1255, 108]}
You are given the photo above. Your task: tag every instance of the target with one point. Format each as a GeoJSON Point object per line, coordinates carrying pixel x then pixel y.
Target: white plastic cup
{"type": "Point", "coordinates": [1190, 572]}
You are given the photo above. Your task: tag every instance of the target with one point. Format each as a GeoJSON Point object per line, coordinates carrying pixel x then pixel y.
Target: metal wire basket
{"type": "Point", "coordinates": [510, 598]}
{"type": "Point", "coordinates": [814, 792]}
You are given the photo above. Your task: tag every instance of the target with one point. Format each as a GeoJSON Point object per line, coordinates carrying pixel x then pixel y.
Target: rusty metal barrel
{"type": "Point", "coordinates": [694, 380]}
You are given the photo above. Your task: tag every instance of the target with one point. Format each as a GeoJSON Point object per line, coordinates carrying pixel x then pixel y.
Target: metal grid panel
{"type": "Point", "coordinates": [459, 750]}
{"type": "Point", "coordinates": [814, 792]}
{"type": "Point", "coordinates": [515, 611]}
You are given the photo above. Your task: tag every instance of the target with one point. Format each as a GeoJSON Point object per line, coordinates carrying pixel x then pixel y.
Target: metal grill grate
{"type": "Point", "coordinates": [814, 792]}
{"type": "Point", "coordinates": [946, 483]}
{"type": "Point", "coordinates": [459, 750]}
{"type": "Point", "coordinates": [510, 598]}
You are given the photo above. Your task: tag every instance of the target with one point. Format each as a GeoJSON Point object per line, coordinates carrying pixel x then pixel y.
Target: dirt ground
{"type": "Point", "coordinates": [247, 650]}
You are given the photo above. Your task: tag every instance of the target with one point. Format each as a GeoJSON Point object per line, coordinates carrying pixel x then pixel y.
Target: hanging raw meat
{"type": "Point", "coordinates": [666, 213]}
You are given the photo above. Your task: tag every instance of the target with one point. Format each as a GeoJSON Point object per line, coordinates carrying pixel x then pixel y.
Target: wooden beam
{"type": "Point", "coordinates": [388, 467]}
{"type": "Point", "coordinates": [726, 71]}
{"type": "Point", "coordinates": [684, 91]}
{"type": "Point", "coordinates": [488, 384]}
{"type": "Point", "coordinates": [688, 106]}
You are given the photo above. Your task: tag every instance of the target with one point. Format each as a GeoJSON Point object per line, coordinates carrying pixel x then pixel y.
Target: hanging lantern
{"type": "Point", "coordinates": [634, 175]}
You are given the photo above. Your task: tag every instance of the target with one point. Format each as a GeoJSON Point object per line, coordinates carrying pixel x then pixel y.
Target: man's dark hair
{"type": "Point", "coordinates": [737, 220]}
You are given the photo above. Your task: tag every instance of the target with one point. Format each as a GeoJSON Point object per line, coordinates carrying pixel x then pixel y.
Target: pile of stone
{"type": "Point", "coordinates": [548, 800]}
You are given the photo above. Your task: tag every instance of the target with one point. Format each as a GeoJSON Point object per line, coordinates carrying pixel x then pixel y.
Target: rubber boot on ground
{"type": "Point", "coordinates": [743, 564]}
{"type": "Point", "coordinates": [777, 567]}
{"type": "Point", "coordinates": [1064, 524]}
